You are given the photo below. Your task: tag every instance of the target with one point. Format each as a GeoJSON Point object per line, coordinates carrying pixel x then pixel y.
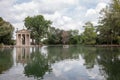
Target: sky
{"type": "Point", "coordinates": [65, 14]}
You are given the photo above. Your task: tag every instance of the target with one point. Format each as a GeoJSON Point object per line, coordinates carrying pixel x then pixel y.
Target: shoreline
{"type": "Point", "coordinates": [107, 45]}
{"type": "Point", "coordinates": [12, 46]}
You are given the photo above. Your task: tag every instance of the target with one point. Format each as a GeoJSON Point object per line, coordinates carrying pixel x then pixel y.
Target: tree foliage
{"type": "Point", "coordinates": [6, 32]}
{"type": "Point", "coordinates": [54, 36]}
{"type": "Point", "coordinates": [57, 36]}
{"type": "Point", "coordinates": [38, 27]}
{"type": "Point", "coordinates": [89, 35]}
{"type": "Point", "coordinates": [109, 27]}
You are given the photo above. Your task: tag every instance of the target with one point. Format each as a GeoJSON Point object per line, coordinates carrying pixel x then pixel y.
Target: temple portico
{"type": "Point", "coordinates": [23, 38]}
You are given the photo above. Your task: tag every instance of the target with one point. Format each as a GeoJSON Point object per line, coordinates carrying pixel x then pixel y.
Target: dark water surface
{"type": "Point", "coordinates": [58, 63]}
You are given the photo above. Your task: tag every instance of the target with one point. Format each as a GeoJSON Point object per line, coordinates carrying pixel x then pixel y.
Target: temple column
{"type": "Point", "coordinates": [18, 36]}
{"type": "Point", "coordinates": [20, 39]}
{"type": "Point", "coordinates": [29, 39]}
{"type": "Point", "coordinates": [26, 39]}
{"type": "Point", "coordinates": [16, 39]}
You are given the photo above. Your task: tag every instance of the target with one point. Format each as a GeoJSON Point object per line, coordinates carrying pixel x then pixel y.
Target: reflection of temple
{"type": "Point", "coordinates": [23, 38]}
{"type": "Point", "coordinates": [22, 55]}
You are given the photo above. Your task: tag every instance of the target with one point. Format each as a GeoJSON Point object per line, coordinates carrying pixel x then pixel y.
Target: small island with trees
{"type": "Point", "coordinates": [106, 33]}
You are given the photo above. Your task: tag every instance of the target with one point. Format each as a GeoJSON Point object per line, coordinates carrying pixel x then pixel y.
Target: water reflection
{"type": "Point", "coordinates": [37, 66]}
{"type": "Point", "coordinates": [110, 63]}
{"type": "Point", "coordinates": [22, 55]}
{"type": "Point", "coordinates": [6, 59]}
{"type": "Point", "coordinates": [58, 63]}
{"type": "Point", "coordinates": [59, 53]}
{"type": "Point", "coordinates": [89, 55]}
{"type": "Point", "coordinates": [74, 63]}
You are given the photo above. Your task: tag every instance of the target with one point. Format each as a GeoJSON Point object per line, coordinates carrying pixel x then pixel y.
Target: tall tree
{"type": "Point", "coordinates": [38, 26]}
{"type": "Point", "coordinates": [6, 32]}
{"type": "Point", "coordinates": [89, 35]}
{"type": "Point", "coordinates": [110, 23]}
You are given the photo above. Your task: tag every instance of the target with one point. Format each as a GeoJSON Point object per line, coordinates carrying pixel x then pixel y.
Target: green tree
{"type": "Point", "coordinates": [54, 36]}
{"type": "Point", "coordinates": [74, 37]}
{"type": "Point", "coordinates": [6, 32]}
{"type": "Point", "coordinates": [110, 23]}
{"type": "Point", "coordinates": [89, 35]}
{"type": "Point", "coordinates": [38, 27]}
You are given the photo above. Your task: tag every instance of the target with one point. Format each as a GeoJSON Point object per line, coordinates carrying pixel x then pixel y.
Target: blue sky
{"type": "Point", "coordinates": [65, 14]}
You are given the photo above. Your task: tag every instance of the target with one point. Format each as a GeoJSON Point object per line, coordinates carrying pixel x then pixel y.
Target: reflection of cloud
{"type": "Point", "coordinates": [67, 68]}
{"type": "Point", "coordinates": [57, 72]}
{"type": "Point", "coordinates": [44, 51]}
{"type": "Point", "coordinates": [94, 73]}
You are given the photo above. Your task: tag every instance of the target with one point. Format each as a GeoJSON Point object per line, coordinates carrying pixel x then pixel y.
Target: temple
{"type": "Point", "coordinates": [22, 38]}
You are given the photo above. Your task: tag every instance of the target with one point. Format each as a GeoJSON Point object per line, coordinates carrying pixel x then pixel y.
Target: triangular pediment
{"type": "Point", "coordinates": [23, 31]}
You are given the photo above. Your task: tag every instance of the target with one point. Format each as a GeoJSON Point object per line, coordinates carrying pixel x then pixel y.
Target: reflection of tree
{"type": "Point", "coordinates": [58, 53]}
{"type": "Point", "coordinates": [38, 65]}
{"type": "Point", "coordinates": [110, 63]}
{"type": "Point", "coordinates": [89, 55]}
{"type": "Point", "coordinates": [108, 60]}
{"type": "Point", "coordinates": [6, 60]}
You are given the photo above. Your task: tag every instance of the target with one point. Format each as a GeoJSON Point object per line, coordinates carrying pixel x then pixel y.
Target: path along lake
{"type": "Point", "coordinates": [58, 63]}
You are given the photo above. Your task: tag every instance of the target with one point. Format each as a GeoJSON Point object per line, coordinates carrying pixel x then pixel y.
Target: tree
{"type": "Point", "coordinates": [38, 27]}
{"type": "Point", "coordinates": [54, 36]}
{"type": "Point", "coordinates": [89, 35]}
{"type": "Point", "coordinates": [74, 37]}
{"type": "Point", "coordinates": [6, 32]}
{"type": "Point", "coordinates": [110, 23]}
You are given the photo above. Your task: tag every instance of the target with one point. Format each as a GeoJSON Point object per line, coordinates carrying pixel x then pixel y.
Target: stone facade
{"type": "Point", "coordinates": [23, 38]}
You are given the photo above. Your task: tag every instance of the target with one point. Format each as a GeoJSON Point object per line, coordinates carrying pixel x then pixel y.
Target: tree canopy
{"type": "Point", "coordinates": [6, 32]}
{"type": "Point", "coordinates": [38, 26]}
{"type": "Point", "coordinates": [109, 27]}
{"type": "Point", "coordinates": [89, 35]}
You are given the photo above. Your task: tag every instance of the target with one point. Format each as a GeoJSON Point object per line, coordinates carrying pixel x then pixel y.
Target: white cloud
{"type": "Point", "coordinates": [93, 13]}
{"type": "Point", "coordinates": [100, 6]}
{"type": "Point", "coordinates": [5, 6]}
{"type": "Point", "coordinates": [90, 12]}
{"type": "Point", "coordinates": [65, 14]}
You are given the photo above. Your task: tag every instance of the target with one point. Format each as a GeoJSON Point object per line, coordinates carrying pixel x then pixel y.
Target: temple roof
{"type": "Point", "coordinates": [23, 31]}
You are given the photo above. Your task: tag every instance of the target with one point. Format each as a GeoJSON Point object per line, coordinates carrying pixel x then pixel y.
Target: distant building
{"type": "Point", "coordinates": [22, 38]}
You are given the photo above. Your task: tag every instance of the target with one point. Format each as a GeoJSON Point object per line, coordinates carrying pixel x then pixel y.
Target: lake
{"type": "Point", "coordinates": [58, 63]}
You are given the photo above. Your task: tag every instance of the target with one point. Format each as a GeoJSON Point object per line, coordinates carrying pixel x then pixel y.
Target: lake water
{"type": "Point", "coordinates": [58, 63]}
